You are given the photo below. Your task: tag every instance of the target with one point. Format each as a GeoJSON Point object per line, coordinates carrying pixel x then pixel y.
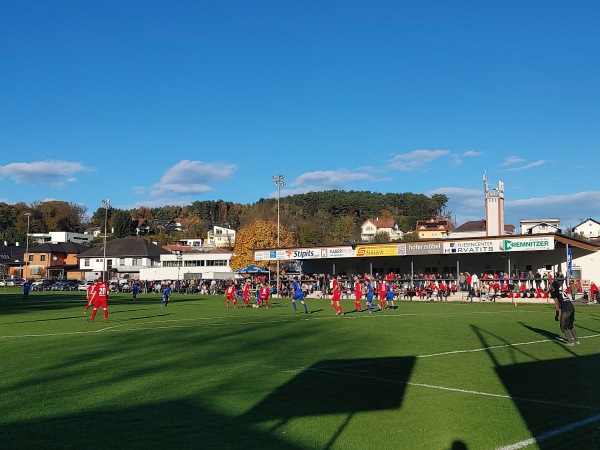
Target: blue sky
{"type": "Point", "coordinates": [152, 103]}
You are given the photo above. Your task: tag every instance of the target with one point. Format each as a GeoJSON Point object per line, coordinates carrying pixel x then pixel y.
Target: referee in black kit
{"type": "Point", "coordinates": [565, 312]}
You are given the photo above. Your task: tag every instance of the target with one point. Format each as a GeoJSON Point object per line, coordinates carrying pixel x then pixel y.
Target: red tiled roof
{"type": "Point", "coordinates": [382, 222]}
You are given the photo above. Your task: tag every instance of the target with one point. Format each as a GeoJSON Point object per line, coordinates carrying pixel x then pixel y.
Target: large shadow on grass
{"type": "Point", "coordinates": [553, 393]}
{"type": "Point", "coordinates": [339, 387]}
{"type": "Point", "coordinates": [167, 425]}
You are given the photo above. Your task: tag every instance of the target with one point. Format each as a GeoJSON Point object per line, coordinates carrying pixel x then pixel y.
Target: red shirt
{"type": "Point", "coordinates": [230, 291]}
{"type": "Point", "coordinates": [335, 284]}
{"type": "Point", "coordinates": [100, 291]}
{"type": "Point", "coordinates": [264, 292]}
{"type": "Point", "coordinates": [358, 289]}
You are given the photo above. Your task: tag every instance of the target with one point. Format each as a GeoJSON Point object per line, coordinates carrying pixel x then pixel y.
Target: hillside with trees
{"type": "Point", "coordinates": [315, 218]}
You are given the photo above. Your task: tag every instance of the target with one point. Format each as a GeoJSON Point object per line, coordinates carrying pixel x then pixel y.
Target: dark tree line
{"type": "Point", "coordinates": [315, 218]}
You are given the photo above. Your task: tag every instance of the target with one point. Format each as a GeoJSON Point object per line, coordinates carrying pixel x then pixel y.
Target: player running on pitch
{"type": "Point", "coordinates": [298, 295]}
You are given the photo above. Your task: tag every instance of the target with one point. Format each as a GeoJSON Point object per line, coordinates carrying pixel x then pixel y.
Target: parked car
{"type": "Point", "coordinates": [42, 285]}
{"type": "Point", "coordinates": [83, 286]}
{"type": "Point", "coordinates": [64, 285]}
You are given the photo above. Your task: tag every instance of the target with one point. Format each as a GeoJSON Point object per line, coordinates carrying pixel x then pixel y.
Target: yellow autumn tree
{"type": "Point", "coordinates": [258, 234]}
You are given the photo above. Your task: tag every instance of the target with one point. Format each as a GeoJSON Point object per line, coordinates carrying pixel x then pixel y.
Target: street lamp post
{"type": "Point", "coordinates": [279, 183]}
{"type": "Point", "coordinates": [106, 204]}
{"type": "Point", "coordinates": [179, 258]}
{"type": "Point", "coordinates": [26, 250]}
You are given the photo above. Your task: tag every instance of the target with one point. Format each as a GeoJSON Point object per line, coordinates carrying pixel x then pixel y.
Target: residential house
{"type": "Point", "coordinates": [191, 242]}
{"type": "Point", "coordinates": [11, 260]}
{"type": "Point", "coordinates": [53, 260]}
{"type": "Point", "coordinates": [122, 258]}
{"type": "Point", "coordinates": [61, 236]}
{"type": "Point", "coordinates": [178, 224]}
{"type": "Point", "coordinates": [589, 228]}
{"type": "Point", "coordinates": [221, 237]}
{"type": "Point", "coordinates": [433, 228]}
{"type": "Point", "coordinates": [139, 227]}
{"type": "Point", "coordinates": [95, 231]}
{"type": "Point", "coordinates": [475, 228]}
{"type": "Point", "coordinates": [540, 226]}
{"type": "Point", "coordinates": [372, 226]}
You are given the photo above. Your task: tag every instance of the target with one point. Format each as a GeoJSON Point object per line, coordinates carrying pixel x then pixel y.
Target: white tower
{"type": "Point", "coordinates": [494, 208]}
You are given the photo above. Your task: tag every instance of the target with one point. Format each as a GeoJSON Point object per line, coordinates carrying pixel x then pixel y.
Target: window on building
{"type": "Point", "coordinates": [121, 261]}
{"type": "Point", "coordinates": [86, 262]}
{"type": "Point", "coordinates": [216, 262]}
{"type": "Point", "coordinates": [42, 257]}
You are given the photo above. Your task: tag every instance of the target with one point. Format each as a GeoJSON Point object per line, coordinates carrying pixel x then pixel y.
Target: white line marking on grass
{"type": "Point", "coordinates": [457, 352]}
{"type": "Point", "coordinates": [492, 347]}
{"type": "Point", "coordinates": [550, 434]}
{"type": "Point", "coordinates": [69, 333]}
{"type": "Point", "coordinates": [462, 391]}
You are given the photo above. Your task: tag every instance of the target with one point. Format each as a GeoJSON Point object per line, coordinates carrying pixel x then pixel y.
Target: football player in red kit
{"type": "Point", "coordinates": [358, 287]}
{"type": "Point", "coordinates": [100, 298]}
{"type": "Point", "coordinates": [230, 295]}
{"type": "Point", "coordinates": [382, 288]}
{"type": "Point", "coordinates": [264, 293]}
{"type": "Point", "coordinates": [246, 293]}
{"type": "Point", "coordinates": [336, 297]}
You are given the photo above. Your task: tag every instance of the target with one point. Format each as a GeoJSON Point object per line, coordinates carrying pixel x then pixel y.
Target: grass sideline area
{"type": "Point", "coordinates": [197, 375]}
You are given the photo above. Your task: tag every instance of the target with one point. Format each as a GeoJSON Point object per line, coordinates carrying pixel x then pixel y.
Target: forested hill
{"type": "Point", "coordinates": [314, 218]}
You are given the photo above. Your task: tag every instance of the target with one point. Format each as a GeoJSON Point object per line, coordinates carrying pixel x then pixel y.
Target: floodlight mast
{"type": "Point", "coordinates": [106, 203]}
{"type": "Point", "coordinates": [279, 183]}
{"type": "Point", "coordinates": [23, 275]}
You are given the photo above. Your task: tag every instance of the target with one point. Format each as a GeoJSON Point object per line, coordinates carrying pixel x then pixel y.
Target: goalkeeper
{"type": "Point", "coordinates": [565, 313]}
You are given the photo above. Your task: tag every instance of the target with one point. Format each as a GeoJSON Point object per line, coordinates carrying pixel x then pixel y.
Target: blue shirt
{"type": "Point", "coordinates": [389, 294]}
{"type": "Point", "coordinates": [297, 287]}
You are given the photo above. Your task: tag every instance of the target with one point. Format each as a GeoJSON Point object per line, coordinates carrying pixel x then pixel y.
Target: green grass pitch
{"type": "Point", "coordinates": [198, 375]}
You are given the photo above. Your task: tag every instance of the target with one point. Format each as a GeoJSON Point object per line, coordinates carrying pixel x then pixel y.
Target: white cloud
{"type": "Point", "coordinates": [189, 177]}
{"type": "Point", "coordinates": [323, 180]}
{"type": "Point", "coordinates": [527, 166]}
{"type": "Point", "coordinates": [415, 160]}
{"type": "Point", "coordinates": [469, 204]}
{"type": "Point", "coordinates": [471, 154]}
{"type": "Point", "coordinates": [187, 171]}
{"type": "Point", "coordinates": [570, 208]}
{"type": "Point", "coordinates": [457, 192]}
{"type": "Point", "coordinates": [511, 160]}
{"type": "Point", "coordinates": [330, 178]}
{"type": "Point", "coordinates": [56, 173]}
